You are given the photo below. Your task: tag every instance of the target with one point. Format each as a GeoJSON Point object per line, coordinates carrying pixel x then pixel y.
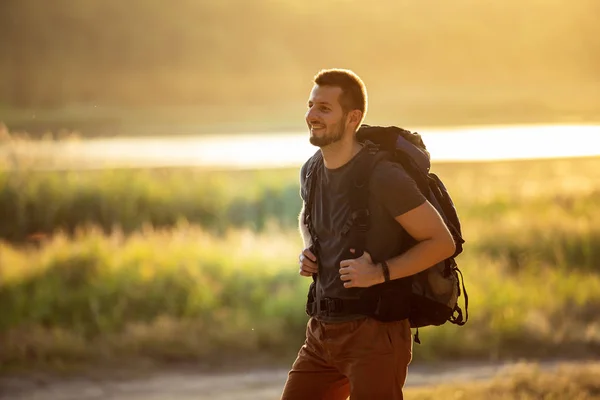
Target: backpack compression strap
{"type": "Point", "coordinates": [458, 319]}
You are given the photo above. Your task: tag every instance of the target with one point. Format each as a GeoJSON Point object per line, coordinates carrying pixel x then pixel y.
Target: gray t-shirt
{"type": "Point", "coordinates": [392, 192]}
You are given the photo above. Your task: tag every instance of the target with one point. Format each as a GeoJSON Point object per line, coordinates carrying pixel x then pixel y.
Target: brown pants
{"type": "Point", "coordinates": [365, 359]}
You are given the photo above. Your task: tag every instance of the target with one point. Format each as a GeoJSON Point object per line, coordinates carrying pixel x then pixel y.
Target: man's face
{"type": "Point", "coordinates": [325, 118]}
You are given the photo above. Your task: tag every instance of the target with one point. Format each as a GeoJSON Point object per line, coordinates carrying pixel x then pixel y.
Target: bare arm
{"type": "Point", "coordinates": [403, 200]}
{"type": "Point", "coordinates": [307, 260]}
{"type": "Point", "coordinates": [435, 243]}
{"type": "Point", "coordinates": [304, 229]}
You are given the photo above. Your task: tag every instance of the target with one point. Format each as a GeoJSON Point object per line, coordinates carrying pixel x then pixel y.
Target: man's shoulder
{"type": "Point", "coordinates": [310, 163]}
{"type": "Point", "coordinates": [389, 172]}
{"type": "Point", "coordinates": [385, 166]}
{"type": "Point", "coordinates": [394, 187]}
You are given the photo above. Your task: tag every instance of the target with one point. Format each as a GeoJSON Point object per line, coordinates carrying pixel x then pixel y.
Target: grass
{"type": "Point", "coordinates": [183, 295]}
{"type": "Point", "coordinates": [33, 202]}
{"type": "Point", "coordinates": [554, 220]}
{"type": "Point", "coordinates": [177, 294]}
{"type": "Point", "coordinates": [186, 265]}
{"type": "Point", "coordinates": [527, 383]}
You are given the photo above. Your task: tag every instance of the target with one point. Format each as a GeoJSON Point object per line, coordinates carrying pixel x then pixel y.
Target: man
{"type": "Point", "coordinates": [350, 353]}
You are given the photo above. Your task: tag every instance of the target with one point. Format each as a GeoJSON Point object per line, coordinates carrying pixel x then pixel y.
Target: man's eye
{"type": "Point", "coordinates": [324, 109]}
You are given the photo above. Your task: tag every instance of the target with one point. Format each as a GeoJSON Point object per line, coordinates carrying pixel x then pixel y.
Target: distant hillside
{"type": "Point", "coordinates": [433, 59]}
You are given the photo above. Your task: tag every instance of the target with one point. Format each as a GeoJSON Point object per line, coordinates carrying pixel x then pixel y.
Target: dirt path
{"type": "Point", "coordinates": [254, 385]}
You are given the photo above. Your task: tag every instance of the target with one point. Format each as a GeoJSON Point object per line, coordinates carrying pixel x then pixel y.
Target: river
{"type": "Point", "coordinates": [291, 149]}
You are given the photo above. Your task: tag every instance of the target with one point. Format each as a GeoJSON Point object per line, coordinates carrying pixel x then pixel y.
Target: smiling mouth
{"type": "Point", "coordinates": [315, 128]}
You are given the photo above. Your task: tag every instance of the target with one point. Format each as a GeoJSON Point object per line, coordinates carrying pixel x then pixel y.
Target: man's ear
{"type": "Point", "coordinates": [354, 117]}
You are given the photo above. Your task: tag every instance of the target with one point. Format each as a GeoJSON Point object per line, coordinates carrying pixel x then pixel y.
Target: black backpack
{"type": "Point", "coordinates": [435, 291]}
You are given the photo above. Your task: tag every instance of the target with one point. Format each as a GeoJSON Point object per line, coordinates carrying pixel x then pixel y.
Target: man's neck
{"type": "Point", "coordinates": [339, 153]}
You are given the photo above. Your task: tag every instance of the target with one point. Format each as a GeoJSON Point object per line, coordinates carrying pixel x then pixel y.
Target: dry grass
{"type": "Point", "coordinates": [527, 383]}
{"type": "Point", "coordinates": [184, 295]}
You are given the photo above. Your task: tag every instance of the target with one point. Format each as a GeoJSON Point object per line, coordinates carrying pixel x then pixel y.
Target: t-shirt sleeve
{"type": "Point", "coordinates": [395, 189]}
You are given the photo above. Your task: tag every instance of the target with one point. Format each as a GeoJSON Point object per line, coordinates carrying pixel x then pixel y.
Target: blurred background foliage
{"type": "Point", "coordinates": [80, 64]}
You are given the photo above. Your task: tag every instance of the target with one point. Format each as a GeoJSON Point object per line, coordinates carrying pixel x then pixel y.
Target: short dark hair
{"type": "Point", "coordinates": [354, 91]}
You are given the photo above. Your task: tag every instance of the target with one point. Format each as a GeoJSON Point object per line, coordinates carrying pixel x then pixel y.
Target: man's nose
{"type": "Point", "coordinates": [310, 115]}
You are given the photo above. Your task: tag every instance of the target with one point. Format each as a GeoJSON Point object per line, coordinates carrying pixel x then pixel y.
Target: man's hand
{"type": "Point", "coordinates": [360, 272]}
{"type": "Point", "coordinates": [308, 263]}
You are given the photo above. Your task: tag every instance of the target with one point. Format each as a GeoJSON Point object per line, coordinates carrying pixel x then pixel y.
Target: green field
{"type": "Point", "coordinates": [187, 265]}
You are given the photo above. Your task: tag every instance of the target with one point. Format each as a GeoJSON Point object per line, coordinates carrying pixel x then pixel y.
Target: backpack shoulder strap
{"type": "Point", "coordinates": [359, 222]}
{"type": "Point", "coordinates": [313, 167]}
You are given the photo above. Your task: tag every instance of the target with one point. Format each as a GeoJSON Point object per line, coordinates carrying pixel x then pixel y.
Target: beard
{"type": "Point", "coordinates": [333, 135]}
